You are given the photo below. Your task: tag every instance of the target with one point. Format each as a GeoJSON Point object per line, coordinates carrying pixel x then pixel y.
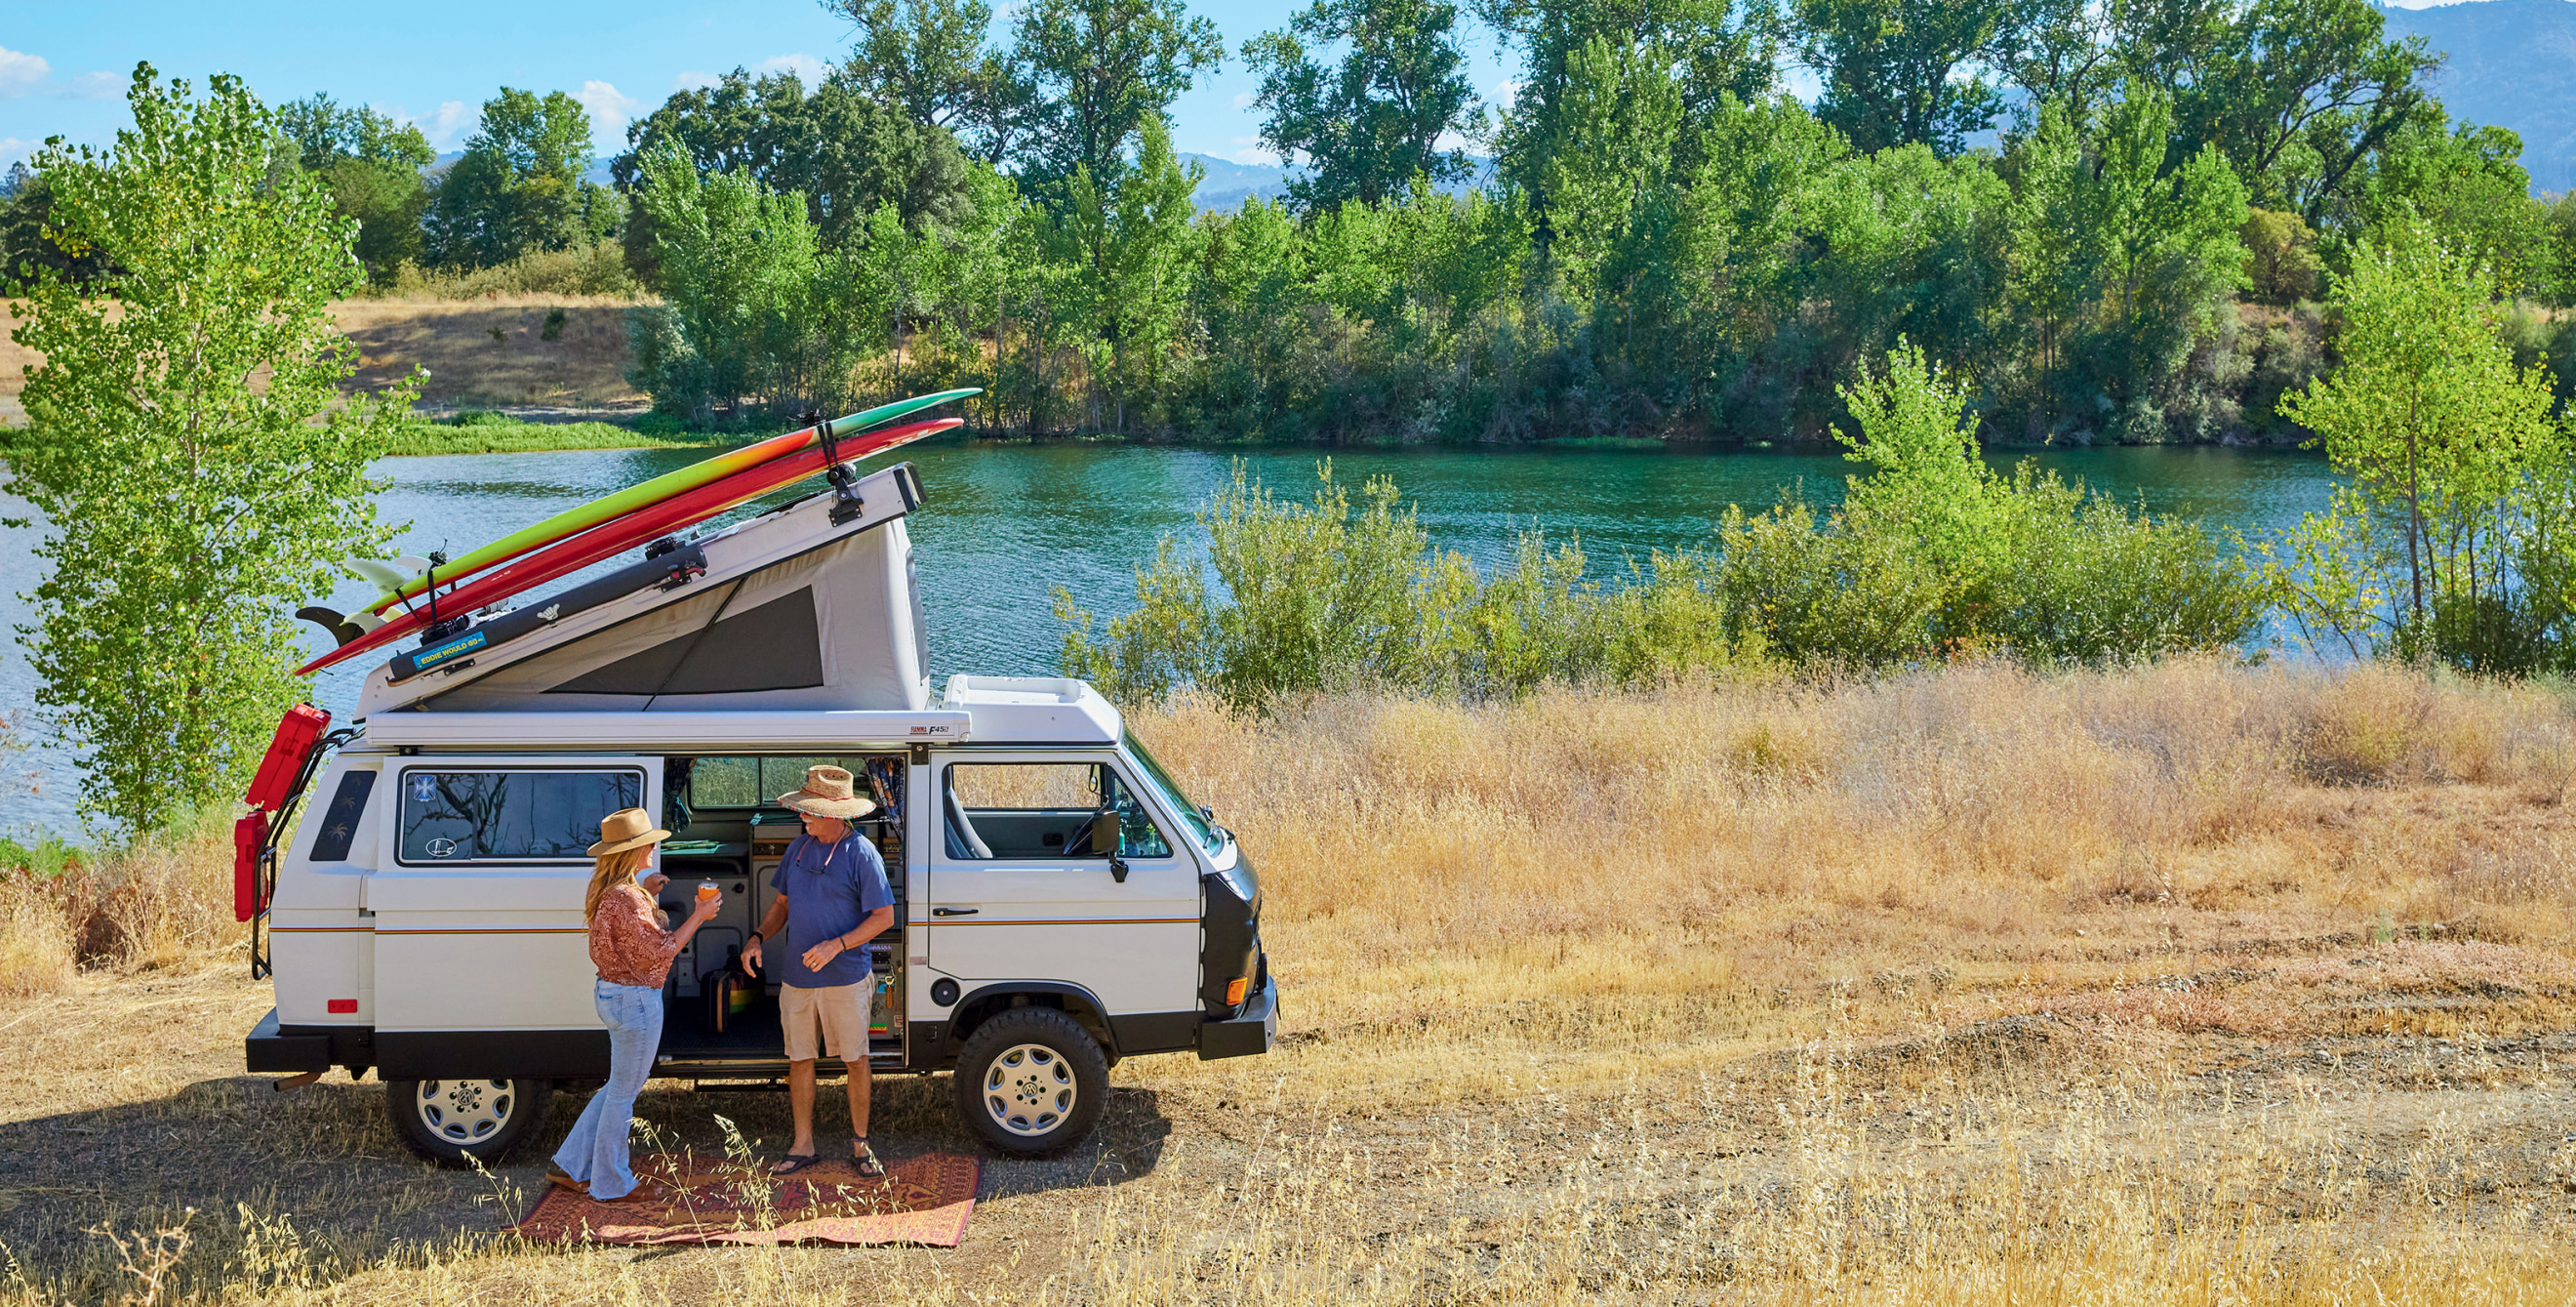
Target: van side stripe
{"type": "Point", "coordinates": [488, 930]}
{"type": "Point", "coordinates": [1070, 921]}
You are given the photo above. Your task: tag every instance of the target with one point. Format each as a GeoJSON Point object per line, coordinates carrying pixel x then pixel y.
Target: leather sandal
{"type": "Point", "coordinates": [864, 1160]}
{"type": "Point", "coordinates": [795, 1162]}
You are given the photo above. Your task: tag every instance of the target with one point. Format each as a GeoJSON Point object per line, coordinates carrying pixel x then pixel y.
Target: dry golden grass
{"type": "Point", "coordinates": [582, 370]}
{"type": "Point", "coordinates": [2189, 984]}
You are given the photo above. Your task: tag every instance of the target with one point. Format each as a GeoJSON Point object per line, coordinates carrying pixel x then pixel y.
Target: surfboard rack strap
{"type": "Point", "coordinates": [846, 503]}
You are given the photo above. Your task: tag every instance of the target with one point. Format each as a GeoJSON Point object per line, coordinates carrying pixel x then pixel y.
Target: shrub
{"type": "Point", "coordinates": [1934, 554]}
{"type": "Point", "coordinates": [1327, 596]}
{"type": "Point", "coordinates": [595, 269]}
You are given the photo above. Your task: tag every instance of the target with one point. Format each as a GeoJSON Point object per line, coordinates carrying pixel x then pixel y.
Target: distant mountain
{"type": "Point", "coordinates": [1229, 184]}
{"type": "Point", "coordinates": [2512, 64]}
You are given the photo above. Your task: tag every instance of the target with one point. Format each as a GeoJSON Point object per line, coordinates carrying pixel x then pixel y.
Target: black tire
{"type": "Point", "coordinates": [462, 1122]}
{"type": "Point", "coordinates": [1031, 1081]}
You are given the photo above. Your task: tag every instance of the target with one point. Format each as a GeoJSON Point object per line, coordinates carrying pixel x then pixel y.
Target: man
{"type": "Point", "coordinates": [832, 899]}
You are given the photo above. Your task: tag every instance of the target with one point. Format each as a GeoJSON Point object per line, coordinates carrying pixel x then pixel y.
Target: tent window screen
{"type": "Point", "coordinates": [533, 815]}
{"type": "Point", "coordinates": [772, 647]}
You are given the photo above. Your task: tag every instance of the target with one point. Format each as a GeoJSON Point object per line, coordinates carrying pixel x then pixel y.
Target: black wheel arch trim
{"type": "Point", "coordinates": [953, 1039]}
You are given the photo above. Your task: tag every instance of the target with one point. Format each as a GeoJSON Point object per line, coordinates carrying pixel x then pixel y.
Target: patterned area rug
{"type": "Point", "coordinates": [922, 1201]}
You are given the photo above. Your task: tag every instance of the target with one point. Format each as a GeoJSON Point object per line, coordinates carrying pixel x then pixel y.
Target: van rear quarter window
{"type": "Point", "coordinates": [548, 814]}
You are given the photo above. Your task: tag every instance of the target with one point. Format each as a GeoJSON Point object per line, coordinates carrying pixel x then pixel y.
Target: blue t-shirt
{"type": "Point", "coordinates": [830, 888]}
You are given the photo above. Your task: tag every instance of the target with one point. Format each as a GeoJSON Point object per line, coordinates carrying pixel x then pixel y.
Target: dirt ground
{"type": "Point", "coordinates": [126, 1103]}
{"type": "Point", "coordinates": [579, 374]}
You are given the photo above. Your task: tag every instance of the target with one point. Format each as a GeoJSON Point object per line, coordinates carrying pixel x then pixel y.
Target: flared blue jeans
{"type": "Point", "coordinates": [596, 1150]}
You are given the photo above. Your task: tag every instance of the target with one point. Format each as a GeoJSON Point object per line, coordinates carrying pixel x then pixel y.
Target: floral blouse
{"type": "Point", "coordinates": [627, 942]}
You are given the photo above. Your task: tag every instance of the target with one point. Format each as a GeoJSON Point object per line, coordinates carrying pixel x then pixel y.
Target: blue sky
{"type": "Point", "coordinates": [64, 67]}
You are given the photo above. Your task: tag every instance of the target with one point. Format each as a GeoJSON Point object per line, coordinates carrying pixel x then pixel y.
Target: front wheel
{"type": "Point", "coordinates": [464, 1122]}
{"type": "Point", "coordinates": [1031, 1081]}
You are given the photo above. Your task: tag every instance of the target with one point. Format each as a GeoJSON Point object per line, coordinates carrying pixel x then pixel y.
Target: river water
{"type": "Point", "coordinates": [1006, 523]}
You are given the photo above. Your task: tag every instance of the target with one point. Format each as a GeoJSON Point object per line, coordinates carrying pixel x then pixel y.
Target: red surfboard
{"type": "Point", "coordinates": [637, 528]}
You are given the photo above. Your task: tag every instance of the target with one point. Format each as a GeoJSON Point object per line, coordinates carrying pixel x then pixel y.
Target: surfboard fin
{"type": "Point", "coordinates": [391, 575]}
{"type": "Point", "coordinates": [341, 628]}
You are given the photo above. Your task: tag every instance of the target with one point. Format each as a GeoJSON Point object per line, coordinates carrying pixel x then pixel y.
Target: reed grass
{"type": "Point", "coordinates": [2187, 984]}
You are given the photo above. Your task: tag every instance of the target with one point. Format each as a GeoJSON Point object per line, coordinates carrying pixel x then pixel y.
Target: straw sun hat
{"type": "Point", "coordinates": [626, 828]}
{"type": "Point", "coordinates": [829, 792]}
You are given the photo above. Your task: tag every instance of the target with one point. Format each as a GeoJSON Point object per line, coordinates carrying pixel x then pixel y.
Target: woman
{"type": "Point", "coordinates": [633, 953]}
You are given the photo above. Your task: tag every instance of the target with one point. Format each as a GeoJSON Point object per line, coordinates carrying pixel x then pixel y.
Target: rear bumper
{"type": "Point", "coordinates": [1243, 1036]}
{"type": "Point", "coordinates": [267, 1049]}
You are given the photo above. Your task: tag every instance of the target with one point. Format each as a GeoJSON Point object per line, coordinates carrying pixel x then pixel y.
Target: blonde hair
{"type": "Point", "coordinates": [612, 868]}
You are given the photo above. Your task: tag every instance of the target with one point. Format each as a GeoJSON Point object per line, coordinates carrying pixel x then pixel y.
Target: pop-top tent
{"type": "Point", "coordinates": [790, 611]}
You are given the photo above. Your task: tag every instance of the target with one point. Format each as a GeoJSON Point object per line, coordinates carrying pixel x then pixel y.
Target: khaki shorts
{"type": "Point", "coordinates": [839, 1011]}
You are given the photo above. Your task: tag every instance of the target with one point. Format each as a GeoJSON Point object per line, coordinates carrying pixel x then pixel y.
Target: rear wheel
{"type": "Point", "coordinates": [452, 1121]}
{"type": "Point", "coordinates": [1031, 1081]}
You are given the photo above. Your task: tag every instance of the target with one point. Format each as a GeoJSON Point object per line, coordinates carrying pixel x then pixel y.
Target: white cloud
{"type": "Point", "coordinates": [446, 126]}
{"type": "Point", "coordinates": [694, 81]}
{"type": "Point", "coordinates": [609, 108]}
{"type": "Point", "coordinates": [807, 68]}
{"type": "Point", "coordinates": [1243, 100]}
{"type": "Point", "coordinates": [1249, 150]}
{"type": "Point", "coordinates": [94, 86]}
{"type": "Point", "coordinates": [1505, 92]}
{"type": "Point", "coordinates": [21, 74]}
{"type": "Point", "coordinates": [1802, 82]}
{"type": "Point", "coordinates": [12, 150]}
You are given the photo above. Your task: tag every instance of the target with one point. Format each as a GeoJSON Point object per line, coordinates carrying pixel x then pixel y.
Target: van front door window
{"type": "Point", "coordinates": [1046, 810]}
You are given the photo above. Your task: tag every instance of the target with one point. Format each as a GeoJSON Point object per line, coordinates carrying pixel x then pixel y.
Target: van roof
{"type": "Point", "coordinates": [980, 709]}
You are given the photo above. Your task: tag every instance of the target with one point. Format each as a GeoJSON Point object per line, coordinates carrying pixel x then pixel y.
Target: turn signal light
{"type": "Point", "coordinates": [1234, 991]}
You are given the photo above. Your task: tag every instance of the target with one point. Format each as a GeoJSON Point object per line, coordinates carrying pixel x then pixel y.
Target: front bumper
{"type": "Point", "coordinates": [1242, 1036]}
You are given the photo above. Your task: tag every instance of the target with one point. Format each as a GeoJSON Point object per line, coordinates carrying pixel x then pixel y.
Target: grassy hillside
{"type": "Point", "coordinates": [491, 352]}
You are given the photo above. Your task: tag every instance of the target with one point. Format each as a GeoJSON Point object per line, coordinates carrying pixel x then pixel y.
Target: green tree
{"type": "Point", "coordinates": [372, 166]}
{"type": "Point", "coordinates": [2298, 94]}
{"type": "Point", "coordinates": [1132, 244]}
{"type": "Point", "coordinates": [1367, 127]}
{"type": "Point", "coordinates": [519, 185]}
{"type": "Point", "coordinates": [929, 58]}
{"type": "Point", "coordinates": [1893, 71]}
{"type": "Point", "coordinates": [2448, 542]}
{"type": "Point", "coordinates": [847, 153]}
{"type": "Point", "coordinates": [753, 307]}
{"type": "Point", "coordinates": [1104, 67]}
{"type": "Point", "coordinates": [190, 450]}
{"type": "Point", "coordinates": [1722, 51]}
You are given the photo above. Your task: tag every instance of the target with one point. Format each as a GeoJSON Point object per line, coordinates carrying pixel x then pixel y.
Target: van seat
{"type": "Point", "coordinates": [963, 842]}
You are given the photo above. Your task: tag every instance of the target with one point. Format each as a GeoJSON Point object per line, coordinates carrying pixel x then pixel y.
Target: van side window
{"type": "Point", "coordinates": [1043, 810]}
{"type": "Point", "coordinates": [537, 814]}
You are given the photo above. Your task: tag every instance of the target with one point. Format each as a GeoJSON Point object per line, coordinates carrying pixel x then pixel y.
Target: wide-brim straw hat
{"type": "Point", "coordinates": [626, 828]}
{"type": "Point", "coordinates": [829, 792]}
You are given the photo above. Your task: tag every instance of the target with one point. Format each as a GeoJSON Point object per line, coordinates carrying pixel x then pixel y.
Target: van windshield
{"type": "Point", "coordinates": [1200, 828]}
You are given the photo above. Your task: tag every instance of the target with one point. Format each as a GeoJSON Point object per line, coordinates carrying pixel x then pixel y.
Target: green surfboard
{"type": "Point", "coordinates": [606, 508]}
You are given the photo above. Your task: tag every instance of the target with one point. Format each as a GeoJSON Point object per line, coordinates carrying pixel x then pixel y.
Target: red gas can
{"type": "Point", "coordinates": [249, 834]}
{"type": "Point", "coordinates": [287, 751]}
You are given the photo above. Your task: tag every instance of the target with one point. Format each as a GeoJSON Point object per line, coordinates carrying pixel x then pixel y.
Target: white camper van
{"type": "Point", "coordinates": [1061, 905]}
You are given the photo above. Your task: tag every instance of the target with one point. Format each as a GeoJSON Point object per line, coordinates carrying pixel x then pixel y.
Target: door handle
{"type": "Point", "coordinates": [954, 912]}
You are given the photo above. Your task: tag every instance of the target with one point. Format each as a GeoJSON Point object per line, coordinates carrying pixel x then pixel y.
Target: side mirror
{"type": "Point", "coordinates": [1104, 833]}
